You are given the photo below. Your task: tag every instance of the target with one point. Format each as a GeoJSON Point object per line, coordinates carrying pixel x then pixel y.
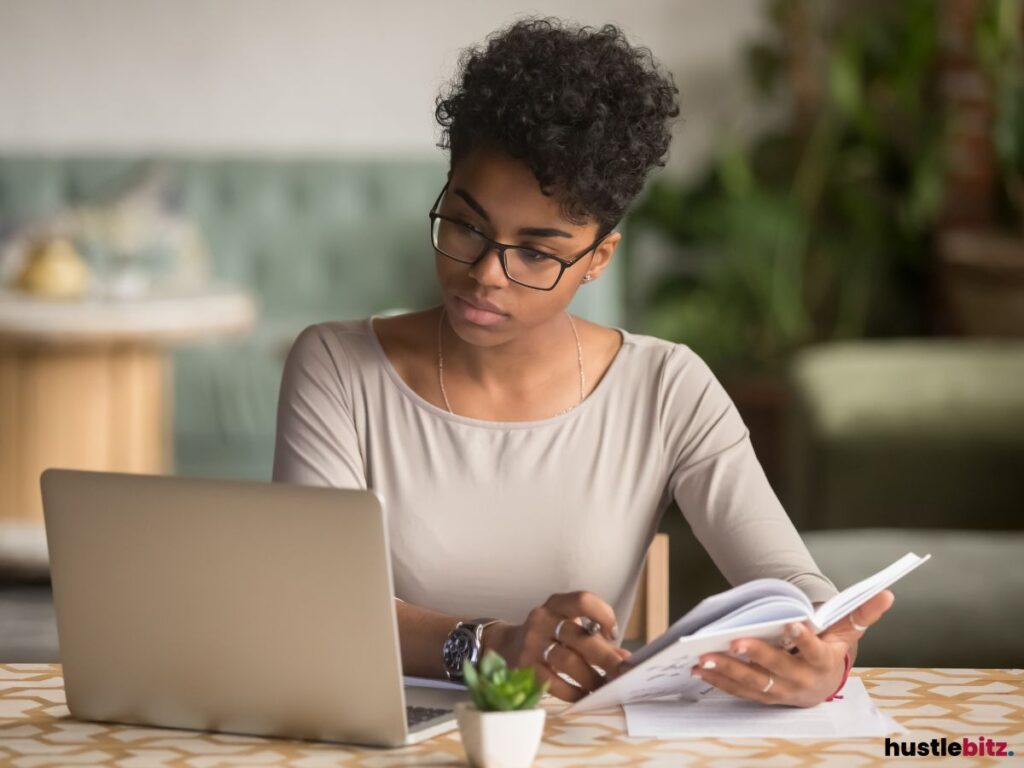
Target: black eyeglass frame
{"type": "Point", "coordinates": [502, 247]}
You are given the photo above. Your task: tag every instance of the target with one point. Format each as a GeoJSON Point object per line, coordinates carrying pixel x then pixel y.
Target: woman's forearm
{"type": "Point", "coordinates": [422, 633]}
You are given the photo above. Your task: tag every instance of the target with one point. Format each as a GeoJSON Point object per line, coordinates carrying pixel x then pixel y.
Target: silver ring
{"type": "Point", "coordinates": [548, 650]}
{"type": "Point", "coordinates": [857, 626]}
{"type": "Point", "coordinates": [558, 628]}
{"type": "Point", "coordinates": [771, 682]}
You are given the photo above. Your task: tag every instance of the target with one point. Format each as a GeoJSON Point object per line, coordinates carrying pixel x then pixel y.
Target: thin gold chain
{"type": "Point", "coordinates": [440, 363]}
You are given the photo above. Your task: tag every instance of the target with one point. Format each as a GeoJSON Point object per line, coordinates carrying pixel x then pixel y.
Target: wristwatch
{"type": "Point", "coordinates": [462, 645]}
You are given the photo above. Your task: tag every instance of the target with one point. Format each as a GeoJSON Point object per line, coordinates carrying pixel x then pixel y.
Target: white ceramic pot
{"type": "Point", "coordinates": [500, 739]}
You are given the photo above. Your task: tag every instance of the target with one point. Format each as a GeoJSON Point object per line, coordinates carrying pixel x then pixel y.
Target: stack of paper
{"type": "Point", "coordinates": [714, 713]}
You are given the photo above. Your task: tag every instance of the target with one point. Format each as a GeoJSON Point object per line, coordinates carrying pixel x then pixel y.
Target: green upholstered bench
{"type": "Point", "coordinates": [926, 433]}
{"type": "Point", "coordinates": [918, 445]}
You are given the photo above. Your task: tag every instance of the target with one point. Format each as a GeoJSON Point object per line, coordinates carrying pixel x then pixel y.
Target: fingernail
{"type": "Point", "coordinates": [742, 648]}
{"type": "Point", "coordinates": [709, 664]}
{"type": "Point", "coordinates": [796, 629]}
{"type": "Point", "coordinates": [615, 631]}
{"type": "Point", "coordinates": [698, 675]}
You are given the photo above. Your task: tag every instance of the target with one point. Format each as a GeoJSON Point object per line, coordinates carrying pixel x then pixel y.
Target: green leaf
{"type": "Point", "coordinates": [844, 80]}
{"type": "Point", "coordinates": [469, 675]}
{"type": "Point", "coordinates": [495, 699]}
{"type": "Point", "coordinates": [492, 663]}
{"type": "Point", "coordinates": [533, 699]}
{"type": "Point", "coordinates": [479, 700]}
{"type": "Point", "coordinates": [495, 687]}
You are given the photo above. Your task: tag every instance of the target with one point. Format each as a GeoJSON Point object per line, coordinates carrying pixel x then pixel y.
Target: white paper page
{"type": "Point", "coordinates": [773, 608]}
{"type": "Point", "coordinates": [718, 714]}
{"type": "Point", "coordinates": [856, 595]}
{"type": "Point", "coordinates": [716, 607]}
{"type": "Point", "coordinates": [669, 671]}
{"type": "Point", "coordinates": [430, 682]}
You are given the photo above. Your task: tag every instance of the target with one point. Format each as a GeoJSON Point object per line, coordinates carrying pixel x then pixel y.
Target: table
{"type": "Point", "coordinates": [35, 730]}
{"type": "Point", "coordinates": [87, 383]}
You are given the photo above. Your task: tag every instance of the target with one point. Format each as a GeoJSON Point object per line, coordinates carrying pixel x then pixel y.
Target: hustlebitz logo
{"type": "Point", "coordinates": [981, 746]}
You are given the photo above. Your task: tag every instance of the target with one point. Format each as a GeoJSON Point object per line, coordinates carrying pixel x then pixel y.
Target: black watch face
{"type": "Point", "coordinates": [457, 648]}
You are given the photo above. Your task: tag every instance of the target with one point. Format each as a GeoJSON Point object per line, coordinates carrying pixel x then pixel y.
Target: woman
{"type": "Point", "coordinates": [525, 456]}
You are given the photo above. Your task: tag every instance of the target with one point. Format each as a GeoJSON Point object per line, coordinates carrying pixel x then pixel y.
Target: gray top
{"type": "Point", "coordinates": [489, 518]}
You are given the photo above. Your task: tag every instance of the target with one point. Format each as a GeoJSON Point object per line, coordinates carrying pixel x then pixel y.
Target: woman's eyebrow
{"type": "Point", "coordinates": [532, 231]}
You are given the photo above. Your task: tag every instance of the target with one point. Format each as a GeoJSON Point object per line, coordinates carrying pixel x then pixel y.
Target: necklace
{"type": "Point", "coordinates": [440, 363]}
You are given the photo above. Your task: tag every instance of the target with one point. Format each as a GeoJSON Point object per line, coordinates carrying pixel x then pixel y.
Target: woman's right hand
{"type": "Point", "coordinates": [576, 651]}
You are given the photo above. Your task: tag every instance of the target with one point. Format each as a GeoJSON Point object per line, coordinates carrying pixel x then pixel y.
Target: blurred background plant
{"type": "Point", "coordinates": [1000, 50]}
{"type": "Point", "coordinates": [824, 227]}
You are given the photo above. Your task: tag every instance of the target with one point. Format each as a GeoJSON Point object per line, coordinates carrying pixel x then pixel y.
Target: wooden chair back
{"type": "Point", "coordinates": [650, 611]}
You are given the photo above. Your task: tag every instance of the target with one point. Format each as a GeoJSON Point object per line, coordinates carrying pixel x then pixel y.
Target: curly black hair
{"type": "Point", "coordinates": [585, 110]}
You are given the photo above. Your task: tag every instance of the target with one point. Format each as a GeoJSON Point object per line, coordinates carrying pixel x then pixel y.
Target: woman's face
{"type": "Point", "coordinates": [499, 195]}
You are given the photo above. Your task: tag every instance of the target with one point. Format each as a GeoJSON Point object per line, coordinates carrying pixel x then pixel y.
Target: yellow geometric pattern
{"type": "Point", "coordinates": [36, 731]}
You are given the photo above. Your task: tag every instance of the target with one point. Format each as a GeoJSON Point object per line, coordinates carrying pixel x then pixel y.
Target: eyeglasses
{"type": "Point", "coordinates": [525, 266]}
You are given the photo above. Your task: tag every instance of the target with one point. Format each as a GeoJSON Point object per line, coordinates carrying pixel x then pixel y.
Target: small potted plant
{"type": "Point", "coordinates": [502, 727]}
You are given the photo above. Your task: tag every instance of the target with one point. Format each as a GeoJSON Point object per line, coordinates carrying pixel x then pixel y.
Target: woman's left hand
{"type": "Point", "coordinates": [775, 676]}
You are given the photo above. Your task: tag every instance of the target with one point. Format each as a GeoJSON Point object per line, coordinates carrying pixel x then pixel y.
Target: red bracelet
{"type": "Point", "coordinates": [847, 663]}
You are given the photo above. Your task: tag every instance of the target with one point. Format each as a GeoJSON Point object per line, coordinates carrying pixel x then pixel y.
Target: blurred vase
{"type": "Point", "coordinates": [54, 269]}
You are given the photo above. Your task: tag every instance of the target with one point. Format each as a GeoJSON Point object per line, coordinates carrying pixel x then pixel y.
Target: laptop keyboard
{"type": "Point", "coordinates": [417, 715]}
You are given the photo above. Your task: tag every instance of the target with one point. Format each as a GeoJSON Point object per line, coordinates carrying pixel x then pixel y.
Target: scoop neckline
{"type": "Point", "coordinates": [598, 391]}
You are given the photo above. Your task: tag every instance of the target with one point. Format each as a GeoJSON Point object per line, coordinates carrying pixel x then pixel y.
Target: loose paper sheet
{"type": "Point", "coordinates": [714, 713]}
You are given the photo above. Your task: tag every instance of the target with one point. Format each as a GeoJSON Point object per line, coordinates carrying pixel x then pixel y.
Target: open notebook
{"type": "Point", "coordinates": [759, 608]}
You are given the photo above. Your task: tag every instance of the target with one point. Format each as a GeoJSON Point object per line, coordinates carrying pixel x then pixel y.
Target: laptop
{"type": "Point", "coordinates": [235, 606]}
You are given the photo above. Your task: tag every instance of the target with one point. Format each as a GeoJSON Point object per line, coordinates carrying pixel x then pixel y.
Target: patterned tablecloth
{"type": "Point", "coordinates": [35, 730]}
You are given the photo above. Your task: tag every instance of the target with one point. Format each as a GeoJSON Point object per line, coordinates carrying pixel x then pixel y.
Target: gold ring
{"type": "Point", "coordinates": [558, 628]}
{"type": "Point", "coordinates": [548, 650]}
{"type": "Point", "coordinates": [771, 682]}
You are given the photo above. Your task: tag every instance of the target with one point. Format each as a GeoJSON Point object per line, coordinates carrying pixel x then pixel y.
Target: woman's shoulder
{"type": "Point", "coordinates": [662, 356]}
{"type": "Point", "coordinates": [407, 333]}
{"type": "Point", "coordinates": [333, 346]}
{"type": "Point", "coordinates": [681, 380]}
{"type": "Point", "coordinates": [331, 333]}
{"type": "Point", "coordinates": [364, 344]}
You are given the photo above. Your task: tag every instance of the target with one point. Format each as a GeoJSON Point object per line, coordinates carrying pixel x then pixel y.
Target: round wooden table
{"type": "Point", "coordinates": [87, 384]}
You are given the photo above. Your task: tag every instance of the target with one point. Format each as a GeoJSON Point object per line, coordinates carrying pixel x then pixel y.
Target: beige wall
{"type": "Point", "coordinates": [309, 76]}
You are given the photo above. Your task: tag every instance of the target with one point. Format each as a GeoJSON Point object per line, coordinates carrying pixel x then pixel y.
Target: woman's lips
{"type": "Point", "coordinates": [475, 315]}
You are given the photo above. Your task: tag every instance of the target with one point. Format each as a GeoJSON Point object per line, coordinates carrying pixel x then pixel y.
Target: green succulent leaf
{"type": "Point", "coordinates": [469, 674]}
{"type": "Point", "coordinates": [492, 664]}
{"type": "Point", "coordinates": [496, 688]}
